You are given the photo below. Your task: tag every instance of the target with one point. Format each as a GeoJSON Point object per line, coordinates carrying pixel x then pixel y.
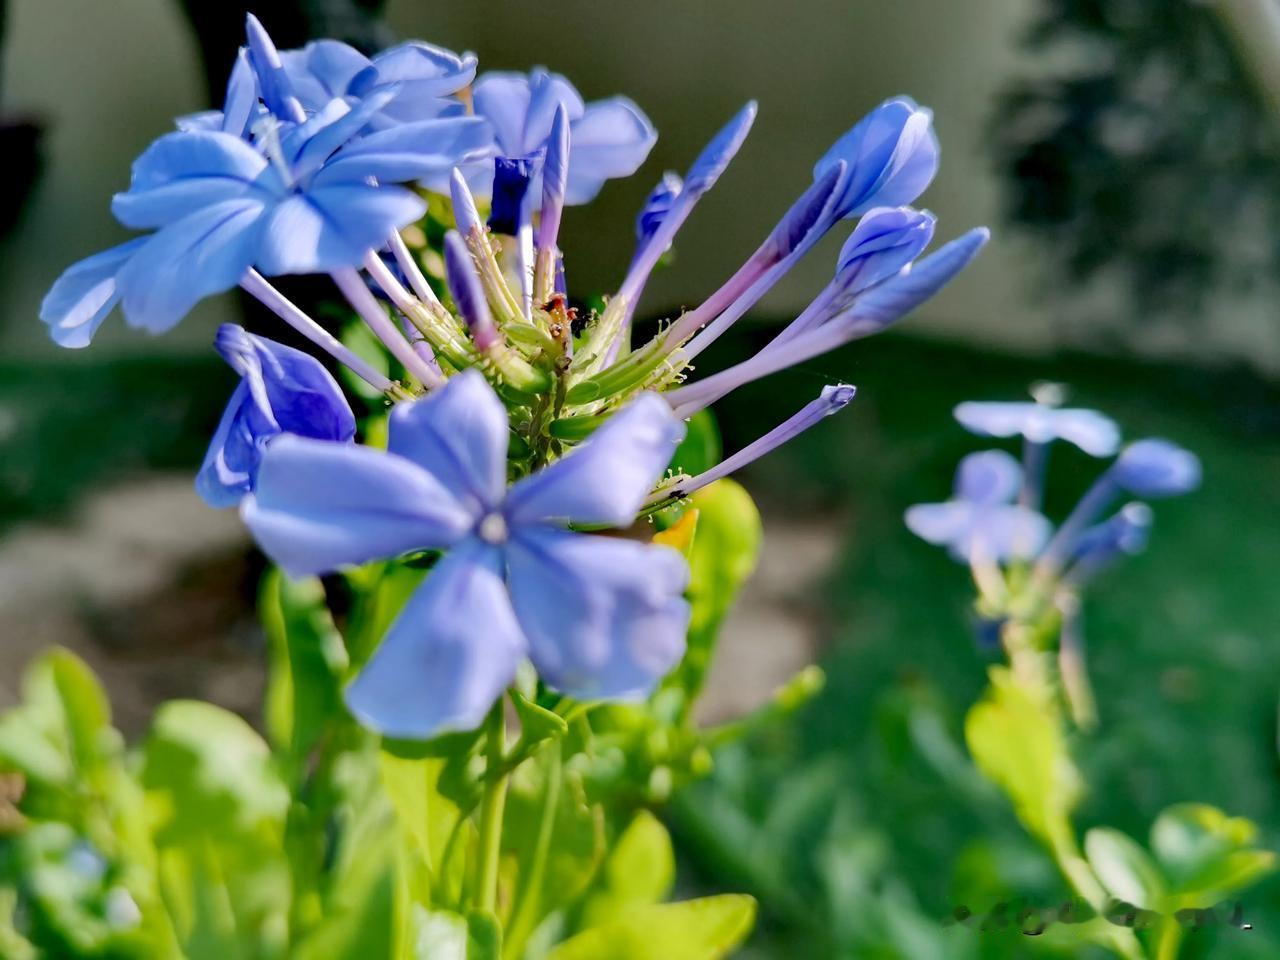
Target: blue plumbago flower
{"type": "Point", "coordinates": [609, 138]}
{"type": "Point", "coordinates": [601, 617]}
{"type": "Point", "coordinates": [1125, 533]}
{"type": "Point", "coordinates": [981, 524]}
{"type": "Point", "coordinates": [1039, 424]}
{"type": "Point", "coordinates": [891, 155]}
{"type": "Point", "coordinates": [222, 207]}
{"type": "Point", "coordinates": [656, 206]}
{"type": "Point", "coordinates": [1091, 431]}
{"type": "Point", "coordinates": [282, 390]}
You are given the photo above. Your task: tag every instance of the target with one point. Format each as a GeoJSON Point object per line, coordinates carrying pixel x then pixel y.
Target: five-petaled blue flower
{"type": "Point", "coordinates": [981, 523]}
{"type": "Point", "coordinates": [1091, 431]}
{"type": "Point", "coordinates": [282, 390]}
{"type": "Point", "coordinates": [599, 616]}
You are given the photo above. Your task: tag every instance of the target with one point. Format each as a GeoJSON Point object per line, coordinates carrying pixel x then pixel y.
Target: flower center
{"type": "Point", "coordinates": [492, 528]}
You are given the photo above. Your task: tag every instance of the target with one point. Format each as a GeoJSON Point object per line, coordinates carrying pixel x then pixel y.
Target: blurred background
{"type": "Point", "coordinates": [1124, 154]}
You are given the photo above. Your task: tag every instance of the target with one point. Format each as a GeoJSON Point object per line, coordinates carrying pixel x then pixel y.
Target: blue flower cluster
{"type": "Point", "coordinates": [1028, 574]}
{"type": "Point", "coordinates": [518, 431]}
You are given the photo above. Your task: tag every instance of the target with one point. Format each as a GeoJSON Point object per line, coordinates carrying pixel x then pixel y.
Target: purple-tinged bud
{"type": "Point", "coordinates": [1156, 468]}
{"type": "Point", "coordinates": [1126, 532]}
{"type": "Point", "coordinates": [555, 177]}
{"type": "Point", "coordinates": [885, 240]}
{"type": "Point", "coordinates": [468, 294]}
{"type": "Point", "coordinates": [808, 219]}
{"type": "Point", "coordinates": [656, 206]}
{"type": "Point", "coordinates": [465, 214]}
{"type": "Point", "coordinates": [717, 154]}
{"type": "Point", "coordinates": [273, 82]}
{"type": "Point", "coordinates": [892, 155]}
{"type": "Point", "coordinates": [894, 298]}
{"type": "Point", "coordinates": [989, 476]}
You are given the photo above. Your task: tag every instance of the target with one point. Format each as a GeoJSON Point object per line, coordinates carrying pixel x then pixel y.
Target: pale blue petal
{"type": "Point", "coordinates": [989, 477]}
{"type": "Point", "coordinates": [717, 154]}
{"type": "Point", "coordinates": [1001, 533]}
{"type": "Point", "coordinates": [426, 72]}
{"type": "Point", "coordinates": [409, 151]}
{"type": "Point", "coordinates": [605, 617]}
{"type": "Point", "coordinates": [310, 144]}
{"type": "Point", "coordinates": [1156, 468]}
{"type": "Point", "coordinates": [449, 655]}
{"type": "Point", "coordinates": [612, 139]}
{"type": "Point", "coordinates": [200, 255]}
{"type": "Point", "coordinates": [319, 506]}
{"type": "Point", "coordinates": [460, 434]}
{"type": "Point", "coordinates": [940, 523]}
{"type": "Point", "coordinates": [1094, 433]}
{"type": "Point", "coordinates": [606, 480]}
{"type": "Point", "coordinates": [231, 462]}
{"type": "Point", "coordinates": [547, 91]}
{"type": "Point", "coordinates": [81, 298]}
{"type": "Point", "coordinates": [333, 226]}
{"type": "Point", "coordinates": [183, 172]}
{"type": "Point", "coordinates": [323, 70]}
{"type": "Point", "coordinates": [503, 100]}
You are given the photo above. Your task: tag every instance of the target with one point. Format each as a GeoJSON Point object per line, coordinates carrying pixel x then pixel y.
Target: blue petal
{"type": "Point", "coordinates": [891, 300]}
{"type": "Point", "coordinates": [883, 242]}
{"type": "Point", "coordinates": [427, 76]}
{"type": "Point", "coordinates": [283, 390]}
{"type": "Point", "coordinates": [717, 154]}
{"type": "Point", "coordinates": [200, 255]}
{"type": "Point", "coordinates": [1095, 434]}
{"type": "Point", "coordinates": [988, 477]}
{"type": "Point", "coordinates": [410, 151]}
{"type": "Point", "coordinates": [319, 506]}
{"type": "Point", "coordinates": [460, 434]}
{"type": "Point", "coordinates": [939, 523]}
{"type": "Point", "coordinates": [606, 480]}
{"type": "Point", "coordinates": [1125, 532]}
{"type": "Point", "coordinates": [547, 91]}
{"type": "Point", "coordinates": [611, 139]}
{"type": "Point", "coordinates": [322, 71]}
{"type": "Point", "coordinates": [1157, 468]}
{"type": "Point", "coordinates": [241, 100]}
{"type": "Point", "coordinates": [891, 153]}
{"type": "Point", "coordinates": [308, 145]}
{"type": "Point", "coordinates": [605, 617]}
{"type": "Point", "coordinates": [183, 172]}
{"type": "Point", "coordinates": [448, 656]}
{"type": "Point", "coordinates": [333, 226]}
{"type": "Point", "coordinates": [503, 100]}
{"type": "Point", "coordinates": [81, 298]}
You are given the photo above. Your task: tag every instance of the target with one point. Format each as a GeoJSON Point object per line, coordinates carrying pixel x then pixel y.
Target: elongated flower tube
{"type": "Point", "coordinates": [274, 84]}
{"type": "Point", "coordinates": [281, 390]}
{"type": "Point", "coordinates": [656, 206]}
{"type": "Point", "coordinates": [467, 292]}
{"type": "Point", "coordinates": [833, 399]}
{"type": "Point", "coordinates": [555, 181]}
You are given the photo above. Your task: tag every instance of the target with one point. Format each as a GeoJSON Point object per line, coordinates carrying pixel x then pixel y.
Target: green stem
{"type": "Point", "coordinates": [528, 892]}
{"type": "Point", "coordinates": [1170, 940]}
{"type": "Point", "coordinates": [491, 810]}
{"type": "Point", "coordinates": [1062, 845]}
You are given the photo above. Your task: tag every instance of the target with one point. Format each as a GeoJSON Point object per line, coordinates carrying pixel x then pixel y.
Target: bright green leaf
{"type": "Point", "coordinates": [705, 929]}
{"type": "Point", "coordinates": [639, 871]}
{"type": "Point", "coordinates": [1125, 869]}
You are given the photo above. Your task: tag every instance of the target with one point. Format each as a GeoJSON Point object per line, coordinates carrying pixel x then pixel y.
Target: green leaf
{"type": "Point", "coordinates": [61, 733]}
{"type": "Point", "coordinates": [1207, 853]}
{"type": "Point", "coordinates": [441, 935]}
{"type": "Point", "coordinates": [209, 777]}
{"type": "Point", "coordinates": [726, 546]}
{"type": "Point", "coordinates": [705, 929]}
{"type": "Point", "coordinates": [1125, 869]}
{"type": "Point", "coordinates": [639, 871]}
{"type": "Point", "coordinates": [1016, 738]}
{"type": "Point", "coordinates": [427, 817]}
{"type": "Point", "coordinates": [360, 916]}
{"type": "Point", "coordinates": [307, 663]}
